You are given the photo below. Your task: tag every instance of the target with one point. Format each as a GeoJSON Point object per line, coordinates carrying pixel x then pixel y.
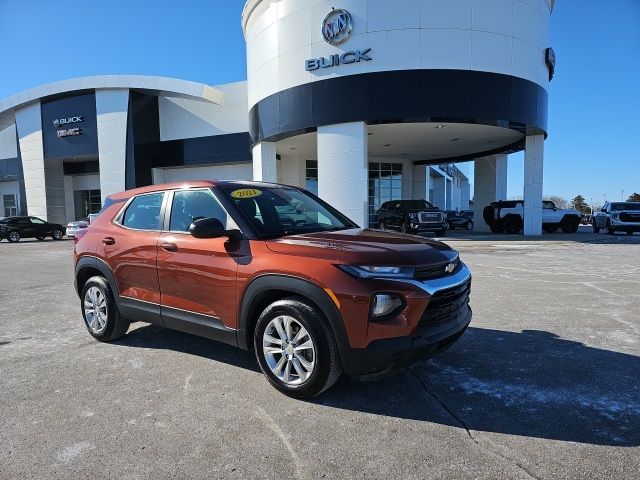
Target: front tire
{"type": "Point", "coordinates": [570, 225]}
{"type": "Point", "coordinates": [595, 229]}
{"type": "Point", "coordinates": [100, 312]}
{"type": "Point", "coordinates": [13, 236]}
{"type": "Point", "coordinates": [512, 225]}
{"type": "Point", "coordinates": [610, 230]}
{"type": "Point", "coordinates": [295, 348]}
{"type": "Point", "coordinates": [57, 234]}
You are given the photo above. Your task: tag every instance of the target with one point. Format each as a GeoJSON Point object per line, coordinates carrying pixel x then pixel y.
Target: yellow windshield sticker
{"type": "Point", "coordinates": [246, 193]}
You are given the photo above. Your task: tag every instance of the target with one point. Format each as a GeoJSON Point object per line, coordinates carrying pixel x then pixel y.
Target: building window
{"type": "Point", "coordinates": [385, 184]}
{"type": "Point", "coordinates": [86, 202]}
{"type": "Point", "coordinates": [10, 205]}
{"type": "Point", "coordinates": [312, 176]}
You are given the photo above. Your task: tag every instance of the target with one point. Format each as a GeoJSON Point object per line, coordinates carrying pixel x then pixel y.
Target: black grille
{"type": "Point", "coordinates": [428, 272]}
{"type": "Point", "coordinates": [446, 305]}
{"type": "Point", "coordinates": [630, 217]}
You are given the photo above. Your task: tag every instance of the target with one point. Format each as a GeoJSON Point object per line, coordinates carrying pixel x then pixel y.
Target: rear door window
{"type": "Point", "coordinates": [143, 213]}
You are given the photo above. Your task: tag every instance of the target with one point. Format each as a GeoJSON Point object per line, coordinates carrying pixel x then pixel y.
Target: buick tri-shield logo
{"type": "Point", "coordinates": [56, 123]}
{"type": "Point", "coordinates": [337, 26]}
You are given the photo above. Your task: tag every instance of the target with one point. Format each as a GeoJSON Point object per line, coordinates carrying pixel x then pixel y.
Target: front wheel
{"type": "Point", "coordinates": [57, 234]}
{"type": "Point", "coordinates": [468, 226]}
{"type": "Point", "coordinates": [295, 348]}
{"type": "Point", "coordinates": [595, 229]}
{"type": "Point", "coordinates": [610, 229]}
{"type": "Point", "coordinates": [13, 236]}
{"type": "Point", "coordinates": [100, 312]}
{"type": "Point", "coordinates": [570, 225]}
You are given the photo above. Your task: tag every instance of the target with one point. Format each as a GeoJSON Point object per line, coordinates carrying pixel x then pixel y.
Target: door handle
{"type": "Point", "coordinates": [108, 240]}
{"type": "Point", "coordinates": [169, 246]}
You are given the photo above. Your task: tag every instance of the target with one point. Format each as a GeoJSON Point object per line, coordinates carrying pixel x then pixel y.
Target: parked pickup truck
{"type": "Point", "coordinates": [507, 216]}
{"type": "Point", "coordinates": [617, 216]}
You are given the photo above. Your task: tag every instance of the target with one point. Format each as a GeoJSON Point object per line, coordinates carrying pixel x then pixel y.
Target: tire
{"type": "Point", "coordinates": [13, 236]}
{"type": "Point", "coordinates": [468, 225]}
{"type": "Point", "coordinates": [496, 227]}
{"type": "Point", "coordinates": [108, 326]}
{"type": "Point", "coordinates": [323, 356]}
{"type": "Point", "coordinates": [40, 238]}
{"type": "Point", "coordinates": [595, 229]}
{"type": "Point", "coordinates": [569, 225]}
{"type": "Point", "coordinates": [610, 230]}
{"type": "Point", "coordinates": [550, 228]}
{"type": "Point", "coordinates": [404, 228]}
{"type": "Point", "coordinates": [512, 225]}
{"type": "Point", "coordinates": [57, 234]}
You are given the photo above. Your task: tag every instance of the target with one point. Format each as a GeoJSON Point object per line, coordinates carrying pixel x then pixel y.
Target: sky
{"type": "Point", "coordinates": [594, 99]}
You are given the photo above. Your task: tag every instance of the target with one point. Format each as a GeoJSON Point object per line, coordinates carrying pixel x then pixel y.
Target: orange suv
{"type": "Point", "coordinates": [272, 268]}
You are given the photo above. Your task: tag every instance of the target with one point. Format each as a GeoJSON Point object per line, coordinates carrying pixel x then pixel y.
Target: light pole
{"type": "Point", "coordinates": [622, 195]}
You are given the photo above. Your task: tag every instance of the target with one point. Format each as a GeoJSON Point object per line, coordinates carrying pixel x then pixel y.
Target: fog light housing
{"type": "Point", "coordinates": [385, 305]}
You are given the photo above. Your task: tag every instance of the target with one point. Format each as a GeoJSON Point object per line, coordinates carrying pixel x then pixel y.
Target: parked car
{"type": "Point", "coordinates": [412, 216]}
{"type": "Point", "coordinates": [460, 219]}
{"type": "Point", "coordinates": [507, 216]}
{"type": "Point", "coordinates": [17, 227]}
{"type": "Point", "coordinates": [73, 227]}
{"type": "Point", "coordinates": [274, 269]}
{"type": "Point", "coordinates": [617, 216]}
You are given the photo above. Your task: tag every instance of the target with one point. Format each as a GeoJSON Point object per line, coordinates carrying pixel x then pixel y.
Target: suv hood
{"type": "Point", "coordinates": [364, 247]}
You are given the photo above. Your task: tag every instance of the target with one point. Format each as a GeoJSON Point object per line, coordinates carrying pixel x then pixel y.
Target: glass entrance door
{"type": "Point", "coordinates": [86, 202]}
{"type": "Point", "coordinates": [385, 184]}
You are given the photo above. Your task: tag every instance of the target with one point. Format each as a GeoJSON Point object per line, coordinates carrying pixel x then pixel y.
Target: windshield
{"type": "Point", "coordinates": [618, 207]}
{"type": "Point", "coordinates": [280, 211]}
{"type": "Point", "coordinates": [417, 204]}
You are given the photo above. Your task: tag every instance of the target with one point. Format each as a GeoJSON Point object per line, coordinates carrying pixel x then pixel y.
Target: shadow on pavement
{"type": "Point", "coordinates": [530, 383]}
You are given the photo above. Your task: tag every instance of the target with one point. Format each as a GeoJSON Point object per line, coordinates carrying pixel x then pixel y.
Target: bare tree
{"type": "Point", "coordinates": [558, 200]}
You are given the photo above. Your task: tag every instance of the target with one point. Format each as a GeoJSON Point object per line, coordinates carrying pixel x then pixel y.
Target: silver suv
{"type": "Point", "coordinates": [617, 216]}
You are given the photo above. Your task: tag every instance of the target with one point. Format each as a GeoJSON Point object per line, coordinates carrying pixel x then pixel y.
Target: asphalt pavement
{"type": "Point", "coordinates": [544, 384]}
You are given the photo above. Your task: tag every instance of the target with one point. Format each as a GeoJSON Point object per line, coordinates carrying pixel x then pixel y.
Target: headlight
{"type": "Point", "coordinates": [615, 215]}
{"type": "Point", "coordinates": [373, 271]}
{"type": "Point", "coordinates": [413, 215]}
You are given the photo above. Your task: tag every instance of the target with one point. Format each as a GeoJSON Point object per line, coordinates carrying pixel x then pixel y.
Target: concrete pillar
{"type": "Point", "coordinates": [29, 128]}
{"type": "Point", "coordinates": [533, 173]}
{"type": "Point", "coordinates": [264, 162]}
{"type": "Point", "coordinates": [343, 169]}
{"type": "Point", "coordinates": [420, 182]}
{"type": "Point", "coordinates": [449, 200]}
{"type": "Point", "coordinates": [112, 106]}
{"type": "Point", "coordinates": [490, 184]}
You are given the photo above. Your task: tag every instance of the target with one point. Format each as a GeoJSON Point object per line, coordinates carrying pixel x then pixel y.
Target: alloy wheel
{"type": "Point", "coordinates": [95, 310]}
{"type": "Point", "coordinates": [57, 234]}
{"type": "Point", "coordinates": [14, 236]}
{"type": "Point", "coordinates": [288, 350]}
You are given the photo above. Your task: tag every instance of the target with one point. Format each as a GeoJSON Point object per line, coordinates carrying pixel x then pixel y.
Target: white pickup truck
{"type": "Point", "coordinates": [617, 216]}
{"type": "Point", "coordinates": [507, 216]}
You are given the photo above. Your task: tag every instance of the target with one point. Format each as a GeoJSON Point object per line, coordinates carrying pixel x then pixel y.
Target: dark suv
{"type": "Point", "coordinates": [273, 268]}
{"type": "Point", "coordinates": [412, 216]}
{"type": "Point", "coordinates": [15, 228]}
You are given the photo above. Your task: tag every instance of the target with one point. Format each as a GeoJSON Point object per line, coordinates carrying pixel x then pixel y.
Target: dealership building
{"type": "Point", "coordinates": [360, 101]}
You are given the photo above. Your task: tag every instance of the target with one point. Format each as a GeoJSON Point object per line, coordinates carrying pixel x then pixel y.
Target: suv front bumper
{"type": "Point", "coordinates": [445, 319]}
{"type": "Point", "coordinates": [427, 227]}
{"type": "Point", "coordinates": [619, 225]}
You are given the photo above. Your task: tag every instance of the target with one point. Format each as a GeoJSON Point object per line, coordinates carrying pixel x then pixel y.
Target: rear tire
{"type": "Point", "coordinates": [100, 312]}
{"type": "Point", "coordinates": [321, 351]}
{"type": "Point", "coordinates": [13, 236]}
{"type": "Point", "coordinates": [512, 225]}
{"type": "Point", "coordinates": [57, 234]}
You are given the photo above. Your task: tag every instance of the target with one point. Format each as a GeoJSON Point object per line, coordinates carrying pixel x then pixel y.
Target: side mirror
{"type": "Point", "coordinates": [211, 228]}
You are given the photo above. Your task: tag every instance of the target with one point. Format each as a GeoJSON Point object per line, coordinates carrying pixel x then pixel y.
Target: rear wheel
{"type": "Point", "coordinates": [57, 234]}
{"type": "Point", "coordinates": [497, 227]}
{"type": "Point", "coordinates": [295, 348]}
{"type": "Point", "coordinates": [570, 225]}
{"type": "Point", "coordinates": [13, 236]}
{"type": "Point", "coordinates": [100, 312]}
{"type": "Point", "coordinates": [512, 225]}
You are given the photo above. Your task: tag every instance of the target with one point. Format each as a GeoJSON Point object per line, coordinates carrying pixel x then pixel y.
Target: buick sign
{"type": "Point", "coordinates": [337, 59]}
{"type": "Point", "coordinates": [337, 26]}
{"type": "Point", "coordinates": [65, 121]}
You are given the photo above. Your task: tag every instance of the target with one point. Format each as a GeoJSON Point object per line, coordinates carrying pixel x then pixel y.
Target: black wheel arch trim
{"type": "Point", "coordinates": [102, 267]}
{"type": "Point", "coordinates": [262, 284]}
